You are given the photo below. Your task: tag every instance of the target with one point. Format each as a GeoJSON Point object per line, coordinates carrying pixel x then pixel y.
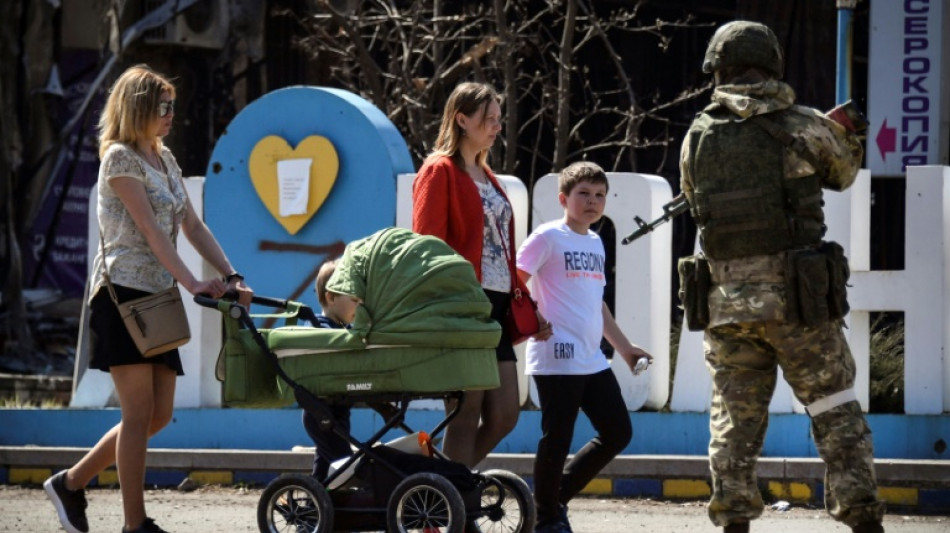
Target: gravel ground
{"type": "Point", "coordinates": [214, 509]}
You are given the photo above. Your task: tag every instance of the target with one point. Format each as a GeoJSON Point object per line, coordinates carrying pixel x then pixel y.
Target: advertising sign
{"type": "Point", "coordinates": [55, 247]}
{"type": "Point", "coordinates": [908, 110]}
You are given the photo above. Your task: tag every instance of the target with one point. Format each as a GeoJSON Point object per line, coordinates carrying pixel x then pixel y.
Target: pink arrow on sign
{"type": "Point", "coordinates": [886, 140]}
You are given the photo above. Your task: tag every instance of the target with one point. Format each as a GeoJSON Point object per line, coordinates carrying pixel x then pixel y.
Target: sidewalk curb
{"type": "Point", "coordinates": [914, 485]}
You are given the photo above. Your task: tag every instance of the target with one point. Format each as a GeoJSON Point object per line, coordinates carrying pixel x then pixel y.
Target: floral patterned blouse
{"type": "Point", "coordinates": [496, 273]}
{"type": "Point", "coordinates": [128, 257]}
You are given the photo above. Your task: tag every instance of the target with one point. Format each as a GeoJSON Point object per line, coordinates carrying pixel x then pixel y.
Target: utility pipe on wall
{"type": "Point", "coordinates": [843, 63]}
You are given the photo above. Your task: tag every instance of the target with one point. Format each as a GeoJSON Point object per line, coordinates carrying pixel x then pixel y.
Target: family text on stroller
{"type": "Point", "coordinates": [359, 386]}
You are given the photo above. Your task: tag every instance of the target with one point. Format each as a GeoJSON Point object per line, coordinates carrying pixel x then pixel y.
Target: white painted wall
{"type": "Point", "coordinates": [921, 291]}
{"type": "Point", "coordinates": [642, 305]}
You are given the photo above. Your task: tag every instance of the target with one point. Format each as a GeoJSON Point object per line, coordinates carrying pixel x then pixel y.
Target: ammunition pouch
{"type": "Point", "coordinates": [816, 284]}
{"type": "Point", "coordinates": [839, 272]}
{"type": "Point", "coordinates": [695, 284]}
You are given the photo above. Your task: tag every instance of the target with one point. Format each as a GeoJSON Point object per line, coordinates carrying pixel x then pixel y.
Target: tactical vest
{"type": "Point", "coordinates": [742, 202]}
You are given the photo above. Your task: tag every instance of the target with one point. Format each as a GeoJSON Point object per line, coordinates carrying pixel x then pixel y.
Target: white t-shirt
{"type": "Point", "coordinates": [567, 271]}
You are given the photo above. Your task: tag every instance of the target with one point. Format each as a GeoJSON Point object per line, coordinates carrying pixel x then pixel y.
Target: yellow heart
{"type": "Point", "coordinates": [324, 166]}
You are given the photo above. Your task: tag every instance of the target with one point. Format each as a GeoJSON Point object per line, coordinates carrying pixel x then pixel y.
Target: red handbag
{"type": "Point", "coordinates": [521, 320]}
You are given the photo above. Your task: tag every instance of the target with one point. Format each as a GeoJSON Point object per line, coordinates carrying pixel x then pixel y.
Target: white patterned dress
{"type": "Point", "coordinates": [128, 258]}
{"type": "Point", "coordinates": [133, 268]}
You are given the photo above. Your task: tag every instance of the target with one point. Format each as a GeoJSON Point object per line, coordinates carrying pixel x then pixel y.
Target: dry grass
{"type": "Point", "coordinates": [16, 402]}
{"type": "Point", "coordinates": [887, 363]}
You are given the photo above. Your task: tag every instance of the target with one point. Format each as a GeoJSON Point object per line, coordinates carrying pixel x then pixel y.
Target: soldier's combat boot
{"type": "Point", "coordinates": [868, 527]}
{"type": "Point", "coordinates": [741, 527]}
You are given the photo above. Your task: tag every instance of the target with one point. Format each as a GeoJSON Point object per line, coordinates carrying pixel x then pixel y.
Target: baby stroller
{"type": "Point", "coordinates": [423, 332]}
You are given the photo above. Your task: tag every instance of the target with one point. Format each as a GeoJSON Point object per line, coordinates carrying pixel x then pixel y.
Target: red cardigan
{"type": "Point", "coordinates": [446, 203]}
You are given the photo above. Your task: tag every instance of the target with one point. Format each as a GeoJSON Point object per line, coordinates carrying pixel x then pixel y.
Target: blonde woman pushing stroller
{"type": "Point", "coordinates": [142, 204]}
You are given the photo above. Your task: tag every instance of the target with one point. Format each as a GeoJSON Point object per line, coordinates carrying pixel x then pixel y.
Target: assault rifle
{"type": "Point", "coordinates": [847, 114]}
{"type": "Point", "coordinates": [677, 206]}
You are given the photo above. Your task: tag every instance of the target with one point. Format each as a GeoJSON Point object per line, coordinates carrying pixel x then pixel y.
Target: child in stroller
{"type": "Point", "coordinates": [423, 331]}
{"type": "Point", "coordinates": [338, 312]}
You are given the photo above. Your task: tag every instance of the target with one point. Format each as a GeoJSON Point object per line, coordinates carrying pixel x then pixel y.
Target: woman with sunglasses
{"type": "Point", "coordinates": [142, 203]}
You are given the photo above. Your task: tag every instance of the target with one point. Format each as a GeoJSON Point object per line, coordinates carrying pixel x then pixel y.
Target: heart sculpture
{"type": "Point", "coordinates": [324, 167]}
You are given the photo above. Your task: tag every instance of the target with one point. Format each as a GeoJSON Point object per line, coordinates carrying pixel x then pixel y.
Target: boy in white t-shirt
{"type": "Point", "coordinates": [567, 260]}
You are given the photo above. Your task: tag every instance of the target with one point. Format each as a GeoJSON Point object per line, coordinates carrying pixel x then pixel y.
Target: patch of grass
{"type": "Point", "coordinates": [887, 363]}
{"type": "Point", "coordinates": [15, 402]}
{"type": "Point", "coordinates": [676, 327]}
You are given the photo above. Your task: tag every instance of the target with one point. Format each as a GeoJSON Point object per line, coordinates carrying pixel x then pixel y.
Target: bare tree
{"type": "Point", "coordinates": [564, 66]}
{"type": "Point", "coordinates": [34, 150]}
{"type": "Point", "coordinates": [14, 126]}
{"type": "Point", "coordinates": [405, 57]}
{"type": "Point", "coordinates": [506, 44]}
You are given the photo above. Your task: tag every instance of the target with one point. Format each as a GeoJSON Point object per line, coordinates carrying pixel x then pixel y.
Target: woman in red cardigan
{"type": "Point", "coordinates": [458, 199]}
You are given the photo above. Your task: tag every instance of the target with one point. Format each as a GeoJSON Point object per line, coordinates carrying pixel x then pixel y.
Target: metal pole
{"type": "Point", "coordinates": [843, 64]}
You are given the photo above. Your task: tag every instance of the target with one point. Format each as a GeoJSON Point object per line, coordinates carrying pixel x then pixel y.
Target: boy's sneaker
{"type": "Point", "coordinates": [70, 504]}
{"type": "Point", "coordinates": [562, 517]}
{"type": "Point", "coordinates": [148, 526]}
{"type": "Point", "coordinates": [558, 524]}
{"type": "Point", "coordinates": [551, 526]}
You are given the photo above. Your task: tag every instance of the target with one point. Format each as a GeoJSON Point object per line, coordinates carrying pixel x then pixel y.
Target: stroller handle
{"type": "Point", "coordinates": [229, 305]}
{"type": "Point", "coordinates": [270, 302]}
{"type": "Point", "coordinates": [231, 308]}
{"type": "Point", "coordinates": [207, 301]}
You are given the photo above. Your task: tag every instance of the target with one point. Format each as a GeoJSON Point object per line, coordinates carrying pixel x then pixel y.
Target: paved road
{"type": "Point", "coordinates": [226, 509]}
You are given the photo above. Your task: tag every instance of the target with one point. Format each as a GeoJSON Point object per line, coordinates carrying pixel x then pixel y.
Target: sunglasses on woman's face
{"type": "Point", "coordinates": [164, 108]}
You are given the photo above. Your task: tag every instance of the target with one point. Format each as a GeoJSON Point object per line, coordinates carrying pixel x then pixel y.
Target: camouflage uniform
{"type": "Point", "coordinates": [748, 335]}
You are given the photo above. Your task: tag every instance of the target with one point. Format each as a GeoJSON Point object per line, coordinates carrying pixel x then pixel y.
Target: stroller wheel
{"type": "Point", "coordinates": [507, 504]}
{"type": "Point", "coordinates": [295, 503]}
{"type": "Point", "coordinates": [425, 503]}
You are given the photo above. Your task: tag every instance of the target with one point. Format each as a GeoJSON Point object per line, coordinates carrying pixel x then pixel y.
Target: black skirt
{"type": "Point", "coordinates": [111, 345]}
{"type": "Point", "coordinates": [500, 301]}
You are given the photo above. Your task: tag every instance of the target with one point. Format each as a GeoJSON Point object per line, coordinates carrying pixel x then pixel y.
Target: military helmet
{"type": "Point", "coordinates": [744, 43]}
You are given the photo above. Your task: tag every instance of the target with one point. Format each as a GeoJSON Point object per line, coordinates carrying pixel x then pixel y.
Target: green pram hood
{"type": "Point", "coordinates": [416, 291]}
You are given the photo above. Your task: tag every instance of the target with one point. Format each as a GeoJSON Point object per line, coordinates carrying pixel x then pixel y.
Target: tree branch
{"type": "Point", "coordinates": [565, 65]}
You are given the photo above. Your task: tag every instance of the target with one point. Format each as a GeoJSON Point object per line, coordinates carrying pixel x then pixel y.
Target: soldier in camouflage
{"type": "Point", "coordinates": [753, 165]}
